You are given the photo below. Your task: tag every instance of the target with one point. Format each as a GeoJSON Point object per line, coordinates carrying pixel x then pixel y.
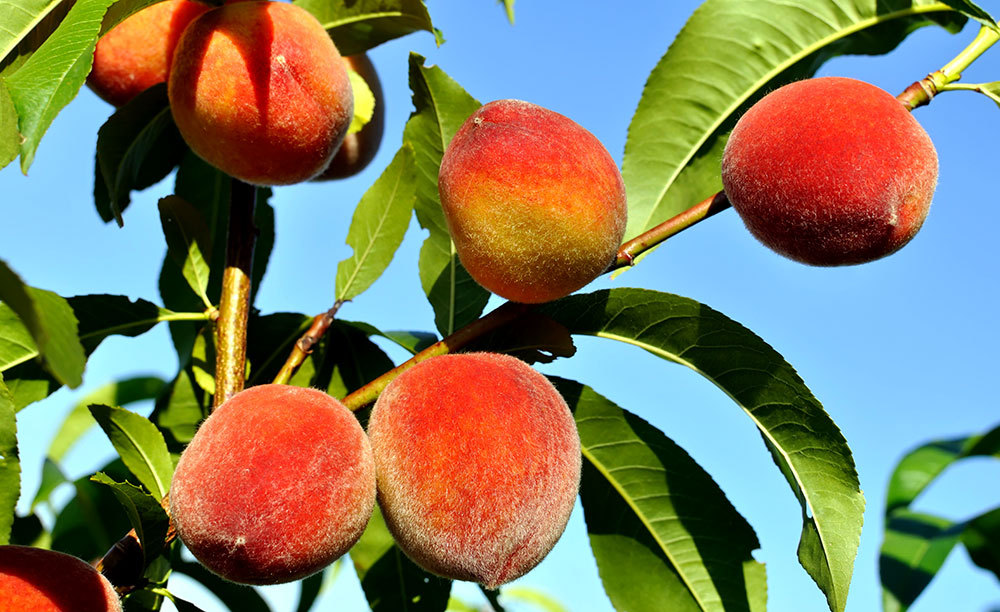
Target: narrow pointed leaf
{"type": "Point", "coordinates": [144, 512]}
{"type": "Point", "coordinates": [378, 226]}
{"type": "Point", "coordinates": [79, 419]}
{"type": "Point", "coordinates": [508, 7]}
{"type": "Point", "coordinates": [10, 137]}
{"type": "Point", "coordinates": [804, 442]}
{"type": "Point", "coordinates": [53, 75]}
{"type": "Point", "coordinates": [971, 9]}
{"type": "Point", "coordinates": [914, 549]}
{"type": "Point", "coordinates": [188, 243]}
{"type": "Point", "coordinates": [981, 538]}
{"type": "Point", "coordinates": [139, 444]}
{"type": "Point", "coordinates": [10, 464]}
{"type": "Point", "coordinates": [643, 493]}
{"type": "Point", "coordinates": [729, 53]}
{"type": "Point", "coordinates": [52, 477]}
{"type": "Point", "coordinates": [441, 108]}
{"type": "Point", "coordinates": [51, 323]}
{"type": "Point", "coordinates": [19, 18]}
{"type": "Point", "coordinates": [360, 25]}
{"type": "Point", "coordinates": [233, 596]}
{"type": "Point", "coordinates": [136, 147]}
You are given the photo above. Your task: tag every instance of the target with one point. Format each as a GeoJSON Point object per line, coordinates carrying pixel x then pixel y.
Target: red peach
{"type": "Point", "coordinates": [136, 54]}
{"type": "Point", "coordinates": [830, 171]}
{"type": "Point", "coordinates": [258, 90]}
{"type": "Point", "coordinates": [38, 580]}
{"type": "Point", "coordinates": [277, 484]}
{"type": "Point", "coordinates": [534, 202]}
{"type": "Point", "coordinates": [478, 463]}
{"type": "Point", "coordinates": [359, 148]}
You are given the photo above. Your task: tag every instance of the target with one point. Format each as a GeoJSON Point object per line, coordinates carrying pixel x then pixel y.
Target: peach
{"type": "Point", "coordinates": [478, 464]}
{"type": "Point", "coordinates": [830, 171]}
{"type": "Point", "coordinates": [136, 54]}
{"type": "Point", "coordinates": [276, 484]}
{"type": "Point", "coordinates": [359, 148]}
{"type": "Point", "coordinates": [39, 580]}
{"type": "Point", "coordinates": [533, 201]}
{"type": "Point", "coordinates": [258, 90]}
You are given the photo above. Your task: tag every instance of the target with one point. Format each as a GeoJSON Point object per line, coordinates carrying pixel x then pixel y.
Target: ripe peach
{"type": "Point", "coordinates": [533, 201]}
{"type": "Point", "coordinates": [478, 464]}
{"type": "Point", "coordinates": [359, 148]}
{"type": "Point", "coordinates": [38, 580]}
{"type": "Point", "coordinates": [258, 90]}
{"type": "Point", "coordinates": [830, 171]}
{"type": "Point", "coordinates": [277, 484]}
{"type": "Point", "coordinates": [136, 53]}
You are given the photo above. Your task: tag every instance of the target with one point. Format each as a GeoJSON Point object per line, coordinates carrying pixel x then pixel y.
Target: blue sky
{"type": "Point", "coordinates": [899, 351]}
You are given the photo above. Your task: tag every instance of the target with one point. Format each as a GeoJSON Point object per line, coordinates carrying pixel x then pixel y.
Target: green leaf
{"type": "Point", "coordinates": [508, 7]}
{"type": "Point", "coordinates": [136, 147]}
{"type": "Point", "coordinates": [145, 513]}
{"type": "Point", "coordinates": [645, 499]}
{"type": "Point", "coordinates": [982, 539]}
{"type": "Point", "coordinates": [919, 467]}
{"type": "Point", "coordinates": [378, 226]}
{"type": "Point", "coordinates": [390, 580]}
{"type": "Point", "coordinates": [103, 315]}
{"type": "Point", "coordinates": [92, 521]}
{"type": "Point", "coordinates": [19, 19]}
{"type": "Point", "coordinates": [10, 464]}
{"type": "Point", "coordinates": [364, 101]}
{"type": "Point", "coordinates": [348, 360]}
{"type": "Point", "coordinates": [51, 323]}
{"type": "Point", "coordinates": [804, 442]}
{"type": "Point", "coordinates": [53, 75]}
{"type": "Point", "coordinates": [270, 339]}
{"type": "Point", "coordinates": [183, 605]}
{"type": "Point", "coordinates": [203, 360]}
{"type": "Point", "coordinates": [179, 412]}
{"type": "Point", "coordinates": [309, 590]}
{"type": "Point", "coordinates": [140, 445]}
{"type": "Point", "coordinates": [914, 549]}
{"type": "Point", "coordinates": [360, 25]}
{"type": "Point", "coordinates": [412, 341]}
{"type": "Point", "coordinates": [971, 9]}
{"type": "Point", "coordinates": [79, 419]}
{"type": "Point", "coordinates": [52, 477]}
{"type": "Point", "coordinates": [441, 108]}
{"type": "Point", "coordinates": [10, 137]}
{"type": "Point", "coordinates": [188, 241]}
{"type": "Point", "coordinates": [233, 596]}
{"type": "Point", "coordinates": [729, 53]}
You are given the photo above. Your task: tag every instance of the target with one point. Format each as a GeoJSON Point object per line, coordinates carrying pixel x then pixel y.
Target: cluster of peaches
{"type": "Point", "coordinates": [474, 459]}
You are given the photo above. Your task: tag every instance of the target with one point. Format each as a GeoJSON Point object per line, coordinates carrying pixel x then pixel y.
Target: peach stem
{"type": "Point", "coordinates": [234, 306]}
{"type": "Point", "coordinates": [921, 92]}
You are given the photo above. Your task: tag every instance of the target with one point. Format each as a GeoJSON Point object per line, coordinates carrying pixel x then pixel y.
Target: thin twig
{"type": "Point", "coordinates": [304, 346]}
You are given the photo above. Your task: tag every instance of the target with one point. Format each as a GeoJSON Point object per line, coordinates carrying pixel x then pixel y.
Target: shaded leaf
{"type": "Point", "coordinates": [309, 590]}
{"type": "Point", "coordinates": [233, 596]}
{"type": "Point", "coordinates": [981, 538]}
{"type": "Point", "coordinates": [137, 146]}
{"type": "Point", "coordinates": [349, 360]}
{"type": "Point", "coordinates": [203, 360]}
{"type": "Point", "coordinates": [914, 549]}
{"type": "Point", "coordinates": [28, 531]}
{"type": "Point", "coordinates": [729, 53]}
{"type": "Point", "coordinates": [19, 19]}
{"type": "Point", "coordinates": [270, 340]}
{"type": "Point", "coordinates": [139, 444]}
{"type": "Point", "coordinates": [10, 464]}
{"type": "Point", "coordinates": [144, 512]}
{"type": "Point", "coordinates": [441, 108]}
{"type": "Point", "coordinates": [378, 226]}
{"type": "Point", "coordinates": [804, 442]}
{"type": "Point", "coordinates": [187, 242]}
{"type": "Point", "coordinates": [412, 341]}
{"type": "Point", "coordinates": [179, 411]}
{"type": "Point", "coordinates": [360, 25]}
{"type": "Point", "coordinates": [52, 477]}
{"type": "Point", "coordinates": [79, 419]}
{"type": "Point", "coordinates": [92, 521]}
{"type": "Point", "coordinates": [971, 9]}
{"type": "Point", "coordinates": [53, 75]}
{"type": "Point", "coordinates": [51, 324]}
{"type": "Point", "coordinates": [642, 492]}
{"type": "Point", "coordinates": [531, 337]}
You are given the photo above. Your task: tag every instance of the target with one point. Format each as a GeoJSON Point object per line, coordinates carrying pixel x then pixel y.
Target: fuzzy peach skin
{"type": "Point", "coordinates": [277, 484]}
{"type": "Point", "coordinates": [478, 463]}
{"type": "Point", "coordinates": [136, 54]}
{"type": "Point", "coordinates": [830, 171]}
{"type": "Point", "coordinates": [533, 201]}
{"type": "Point", "coordinates": [359, 148]}
{"type": "Point", "coordinates": [38, 580]}
{"type": "Point", "coordinates": [258, 90]}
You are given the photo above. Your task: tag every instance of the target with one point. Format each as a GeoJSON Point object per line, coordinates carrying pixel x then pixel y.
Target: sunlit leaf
{"type": "Point", "coordinates": [804, 442]}
{"type": "Point", "coordinates": [441, 108]}
{"type": "Point", "coordinates": [360, 25]}
{"type": "Point", "coordinates": [139, 444]}
{"type": "Point", "coordinates": [10, 464]}
{"type": "Point", "coordinates": [188, 242]}
{"type": "Point", "coordinates": [914, 549]}
{"type": "Point", "coordinates": [144, 512]}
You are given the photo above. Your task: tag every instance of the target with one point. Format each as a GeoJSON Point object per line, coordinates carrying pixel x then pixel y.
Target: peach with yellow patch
{"type": "Point", "coordinates": [277, 484]}
{"type": "Point", "coordinates": [830, 171]}
{"type": "Point", "coordinates": [478, 462]}
{"type": "Point", "coordinates": [258, 90]}
{"type": "Point", "coordinates": [533, 201]}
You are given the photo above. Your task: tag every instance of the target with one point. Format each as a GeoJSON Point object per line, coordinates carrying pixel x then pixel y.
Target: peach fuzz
{"type": "Point", "coordinates": [359, 148]}
{"type": "Point", "coordinates": [136, 54]}
{"type": "Point", "coordinates": [258, 90]}
{"type": "Point", "coordinates": [830, 171]}
{"type": "Point", "coordinates": [478, 462]}
{"type": "Point", "coordinates": [533, 201]}
{"type": "Point", "coordinates": [38, 580]}
{"type": "Point", "coordinates": [277, 484]}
